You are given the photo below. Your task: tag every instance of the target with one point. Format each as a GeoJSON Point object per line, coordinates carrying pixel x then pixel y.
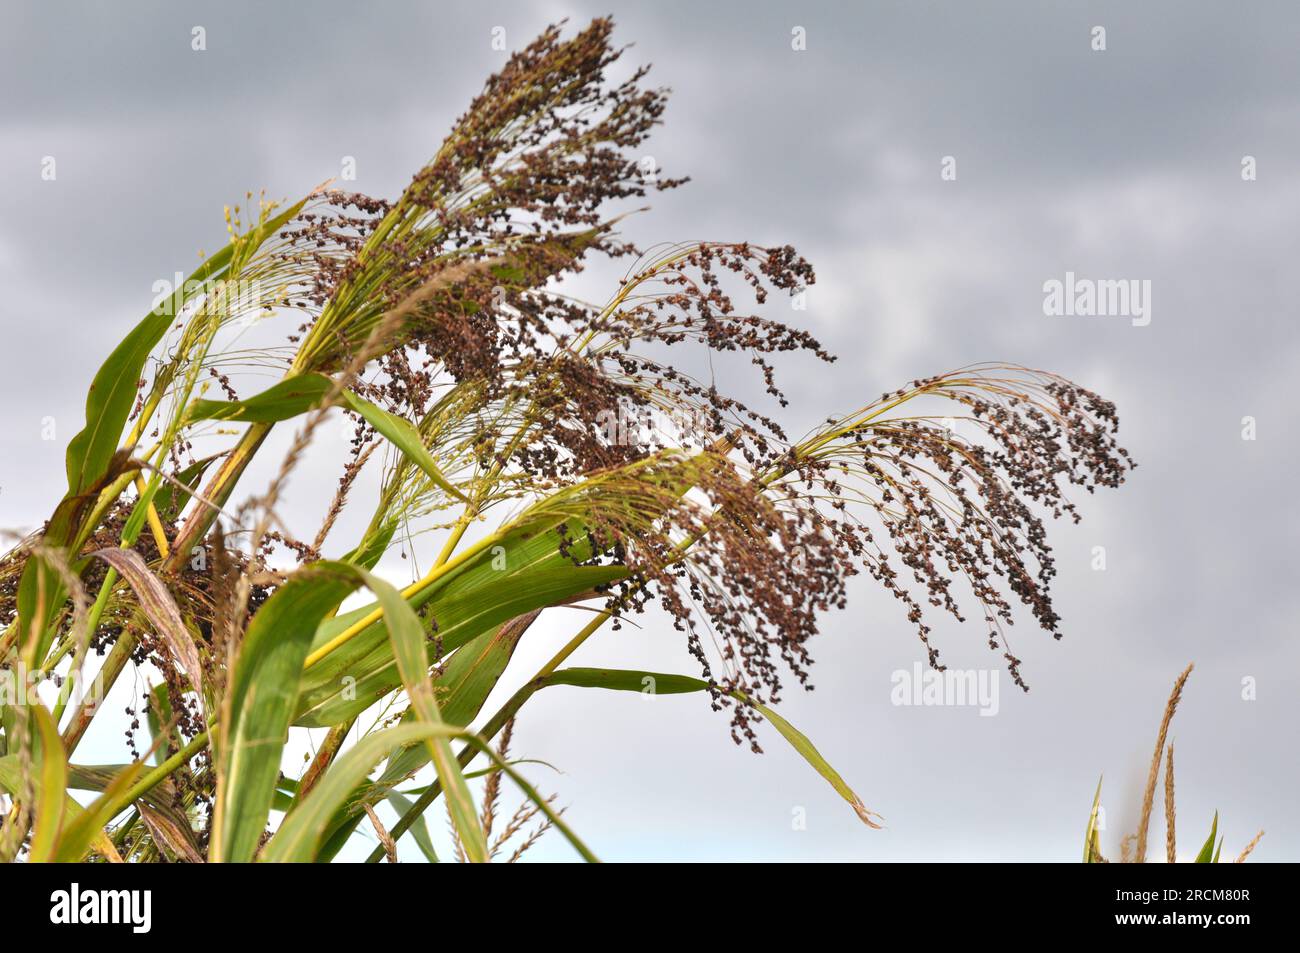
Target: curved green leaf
{"type": "Point", "coordinates": [623, 680]}
{"type": "Point", "coordinates": [464, 685]}
{"type": "Point", "coordinates": [660, 683]}
{"type": "Point", "coordinates": [264, 694]}
{"type": "Point", "coordinates": [403, 435]}
{"type": "Point", "coordinates": [260, 702]}
{"type": "Point", "coordinates": [11, 780]}
{"type": "Point", "coordinates": [462, 688]}
{"type": "Point", "coordinates": [298, 394]}
{"type": "Point", "coordinates": [86, 829]}
{"type": "Point", "coordinates": [407, 637]}
{"type": "Point", "coordinates": [112, 393]}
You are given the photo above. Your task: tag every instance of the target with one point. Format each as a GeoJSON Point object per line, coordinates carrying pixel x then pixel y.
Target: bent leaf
{"type": "Point", "coordinates": [298, 394]}
{"type": "Point", "coordinates": [407, 637]}
{"type": "Point", "coordinates": [161, 801]}
{"type": "Point", "coordinates": [462, 688]}
{"type": "Point", "coordinates": [11, 780]}
{"type": "Point", "coordinates": [265, 691]}
{"type": "Point", "coordinates": [401, 434]}
{"type": "Point", "coordinates": [160, 608]}
{"type": "Point", "coordinates": [660, 683]}
{"type": "Point", "coordinates": [464, 685]}
{"type": "Point", "coordinates": [87, 828]}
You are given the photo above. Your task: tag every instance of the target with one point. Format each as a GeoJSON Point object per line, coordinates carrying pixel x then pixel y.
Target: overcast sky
{"type": "Point", "coordinates": [1125, 163]}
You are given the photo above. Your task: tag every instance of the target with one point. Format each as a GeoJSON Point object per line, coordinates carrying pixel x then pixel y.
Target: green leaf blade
{"type": "Point", "coordinates": [261, 701]}
{"type": "Point", "coordinates": [1206, 854]}
{"type": "Point", "coordinates": [407, 636]}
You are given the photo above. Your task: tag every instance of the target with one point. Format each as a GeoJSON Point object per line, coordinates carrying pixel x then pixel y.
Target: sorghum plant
{"type": "Point", "coordinates": [542, 452]}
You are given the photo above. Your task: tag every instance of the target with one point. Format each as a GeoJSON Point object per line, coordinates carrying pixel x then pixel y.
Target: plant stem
{"type": "Point", "coordinates": [571, 646]}
{"type": "Point", "coordinates": [328, 751]}
{"type": "Point", "coordinates": [155, 522]}
{"type": "Point", "coordinates": [158, 774]}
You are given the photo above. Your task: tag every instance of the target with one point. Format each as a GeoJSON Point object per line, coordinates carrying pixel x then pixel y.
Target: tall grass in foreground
{"type": "Point", "coordinates": [540, 453]}
{"type": "Point", "coordinates": [1133, 848]}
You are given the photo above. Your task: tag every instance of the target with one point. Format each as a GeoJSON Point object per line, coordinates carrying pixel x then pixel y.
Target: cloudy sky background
{"type": "Point", "coordinates": [1117, 164]}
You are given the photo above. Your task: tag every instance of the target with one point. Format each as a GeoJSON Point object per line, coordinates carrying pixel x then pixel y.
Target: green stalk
{"type": "Point", "coordinates": [159, 774]}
